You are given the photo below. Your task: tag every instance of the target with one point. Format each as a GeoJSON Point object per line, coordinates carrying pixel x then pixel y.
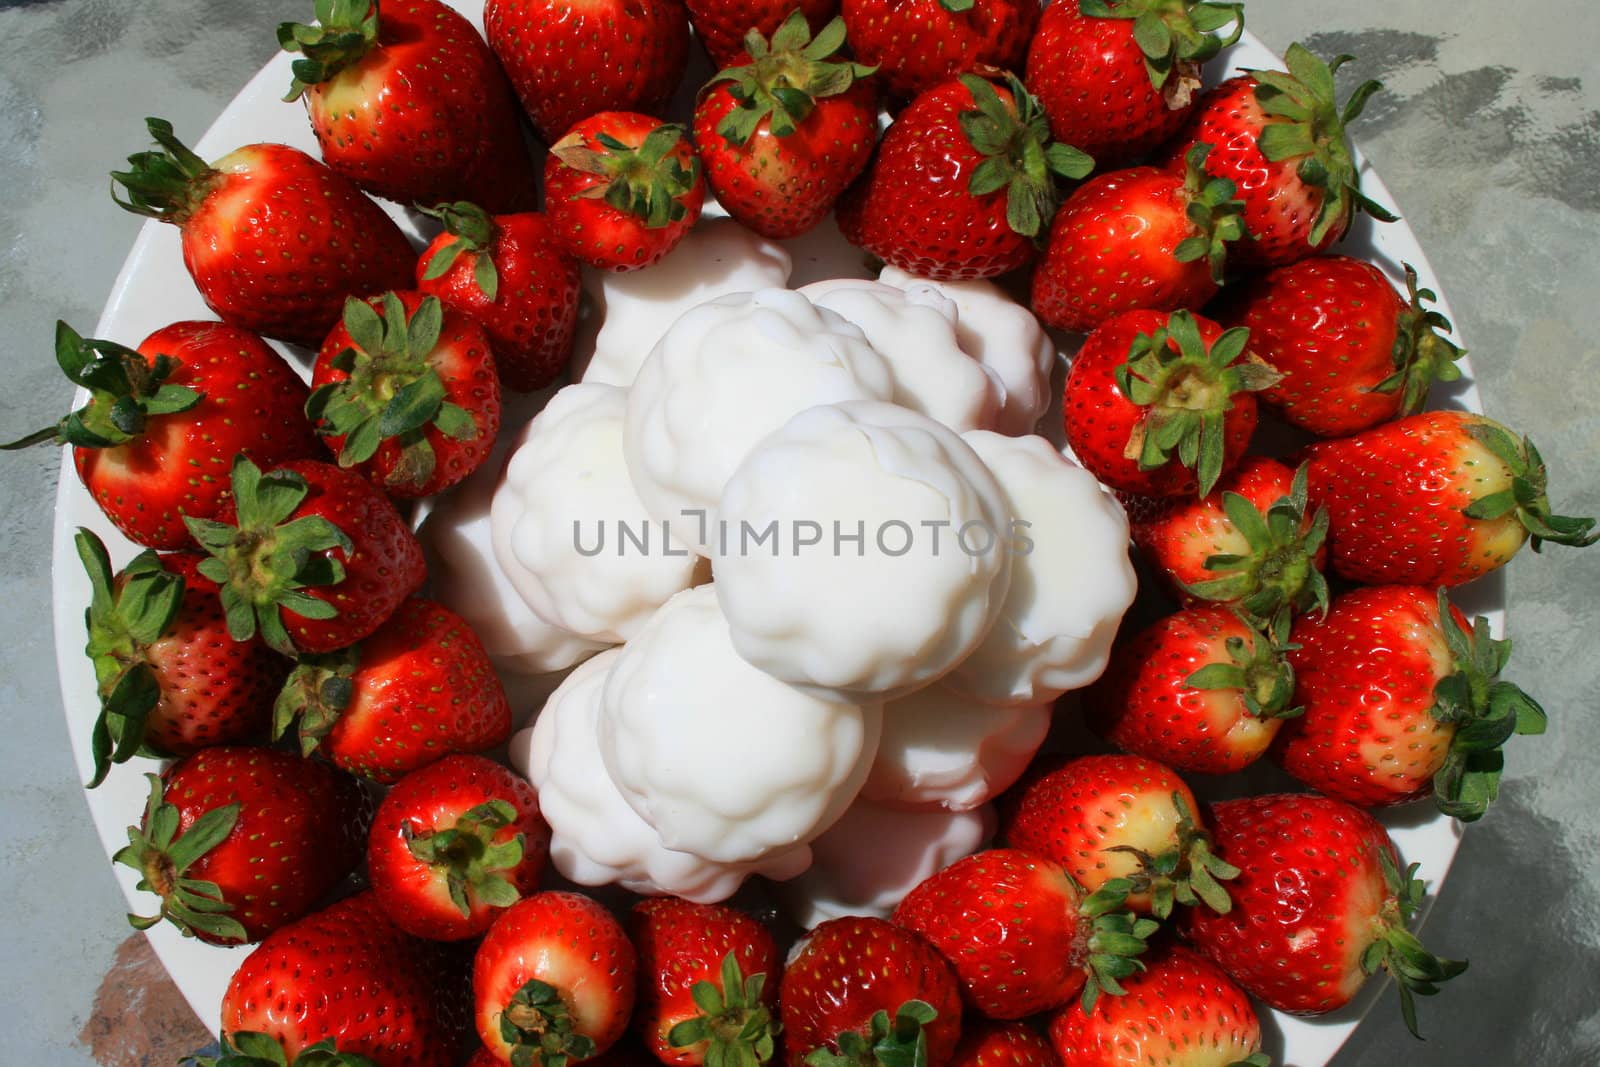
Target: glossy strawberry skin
{"type": "Point", "coordinates": [990, 1044]}
{"type": "Point", "coordinates": [916, 44]}
{"type": "Point", "coordinates": [721, 25]}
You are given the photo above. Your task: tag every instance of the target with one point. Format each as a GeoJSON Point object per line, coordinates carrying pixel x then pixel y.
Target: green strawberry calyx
{"type": "Point", "coordinates": [1280, 569]}
{"type": "Point", "coordinates": [898, 1042]}
{"type": "Point", "coordinates": [1214, 212]}
{"type": "Point", "coordinates": [317, 692]}
{"type": "Point", "coordinates": [734, 1022]}
{"type": "Point", "coordinates": [538, 1027]}
{"type": "Point", "coordinates": [248, 1048]}
{"type": "Point", "coordinates": [163, 857]}
{"type": "Point", "coordinates": [1020, 159]}
{"type": "Point", "coordinates": [1117, 938]}
{"type": "Point", "coordinates": [1416, 971]}
{"type": "Point", "coordinates": [167, 184]}
{"type": "Point", "coordinates": [391, 390]}
{"type": "Point", "coordinates": [1527, 497]}
{"type": "Point", "coordinates": [647, 181]}
{"type": "Point", "coordinates": [472, 861]}
{"type": "Point", "coordinates": [785, 78]}
{"type": "Point", "coordinates": [1176, 37]}
{"type": "Point", "coordinates": [1260, 672]}
{"type": "Point", "coordinates": [474, 231]}
{"type": "Point", "coordinates": [1422, 355]}
{"type": "Point", "coordinates": [1188, 873]}
{"type": "Point", "coordinates": [348, 30]}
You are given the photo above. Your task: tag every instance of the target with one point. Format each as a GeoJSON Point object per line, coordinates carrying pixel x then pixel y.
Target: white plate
{"type": "Point", "coordinates": [154, 289]}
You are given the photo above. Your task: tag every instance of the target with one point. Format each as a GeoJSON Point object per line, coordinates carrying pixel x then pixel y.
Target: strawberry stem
{"type": "Point", "coordinates": [1416, 971]}
{"type": "Point", "coordinates": [162, 857]}
{"type": "Point", "coordinates": [474, 231]}
{"type": "Point", "coordinates": [468, 856]}
{"type": "Point", "coordinates": [900, 1042]}
{"type": "Point", "coordinates": [1176, 36]}
{"type": "Point", "coordinates": [1527, 498]}
{"type": "Point", "coordinates": [164, 185]}
{"type": "Point", "coordinates": [1021, 158]}
{"type": "Point", "coordinates": [537, 1024]}
{"type": "Point", "coordinates": [646, 181]}
{"type": "Point", "coordinates": [1279, 570]}
{"type": "Point", "coordinates": [348, 31]}
{"type": "Point", "coordinates": [733, 1021]}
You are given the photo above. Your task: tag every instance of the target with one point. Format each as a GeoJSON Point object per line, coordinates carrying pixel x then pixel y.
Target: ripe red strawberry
{"type": "Point", "coordinates": [416, 690]}
{"type": "Point", "coordinates": [1352, 352]}
{"type": "Point", "coordinates": [1138, 238]}
{"type": "Point", "coordinates": [786, 127]}
{"type": "Point", "coordinates": [963, 181]}
{"type": "Point", "coordinates": [346, 978]}
{"type": "Point", "coordinates": [1320, 905]}
{"type": "Point", "coordinates": [312, 557]}
{"type": "Point", "coordinates": [406, 394]}
{"type": "Point", "coordinates": [568, 61]}
{"type": "Point", "coordinates": [408, 102]}
{"type": "Point", "coordinates": [1118, 78]}
{"type": "Point", "coordinates": [1022, 936]}
{"type": "Point", "coordinates": [510, 274]}
{"type": "Point", "coordinates": [232, 216]}
{"type": "Point", "coordinates": [867, 992]}
{"type": "Point", "coordinates": [1280, 138]}
{"type": "Point", "coordinates": [622, 189]}
{"type": "Point", "coordinates": [916, 44]}
{"type": "Point", "coordinates": [1438, 498]}
{"type": "Point", "coordinates": [1160, 404]}
{"type": "Point", "coordinates": [1402, 699]}
{"type": "Point", "coordinates": [708, 986]}
{"type": "Point", "coordinates": [1182, 1011]}
{"type": "Point", "coordinates": [454, 844]}
{"type": "Point", "coordinates": [990, 1044]}
{"type": "Point", "coordinates": [722, 25]}
{"type": "Point", "coordinates": [238, 842]}
{"type": "Point", "coordinates": [553, 981]}
{"type": "Point", "coordinates": [162, 423]}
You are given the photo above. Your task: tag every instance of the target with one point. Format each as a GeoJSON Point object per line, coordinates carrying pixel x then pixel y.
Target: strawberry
{"type": "Point", "coordinates": [238, 842]}
{"type": "Point", "coordinates": [1352, 352]}
{"type": "Point", "coordinates": [406, 394]}
{"type": "Point", "coordinates": [1116, 79]}
{"type": "Point", "coordinates": [1022, 936]}
{"type": "Point", "coordinates": [1320, 904]}
{"type": "Point", "coordinates": [1160, 404]}
{"type": "Point", "coordinates": [553, 981]}
{"type": "Point", "coordinates": [345, 979]}
{"type": "Point", "coordinates": [864, 992]}
{"type": "Point", "coordinates": [1402, 699]}
{"type": "Point", "coordinates": [510, 274]}
{"type": "Point", "coordinates": [707, 983]}
{"type": "Point", "coordinates": [417, 689]}
{"type": "Point", "coordinates": [232, 216]}
{"type": "Point", "coordinates": [1138, 238]}
{"type": "Point", "coordinates": [453, 845]}
{"type": "Point", "coordinates": [1121, 819]}
{"type": "Point", "coordinates": [1280, 138]}
{"type": "Point", "coordinates": [1182, 1011]}
{"type": "Point", "coordinates": [916, 44]}
{"type": "Point", "coordinates": [963, 181]}
{"type": "Point", "coordinates": [723, 25]}
{"type": "Point", "coordinates": [989, 1044]}
{"type": "Point", "coordinates": [569, 61]}
{"type": "Point", "coordinates": [622, 189]}
{"type": "Point", "coordinates": [163, 421]}
{"type": "Point", "coordinates": [785, 128]}
{"type": "Point", "coordinates": [1201, 690]}
{"type": "Point", "coordinates": [1437, 498]}
{"type": "Point", "coordinates": [310, 556]}
{"type": "Point", "coordinates": [409, 103]}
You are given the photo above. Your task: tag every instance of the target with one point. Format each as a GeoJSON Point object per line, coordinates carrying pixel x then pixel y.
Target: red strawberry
{"type": "Point", "coordinates": [238, 842]}
{"type": "Point", "coordinates": [1319, 906]}
{"type": "Point", "coordinates": [416, 690]}
{"type": "Point", "coordinates": [1159, 404]}
{"type": "Point", "coordinates": [569, 61]}
{"type": "Point", "coordinates": [989, 1044]}
{"type": "Point", "coordinates": [346, 978]}
{"type": "Point", "coordinates": [1352, 352]}
{"type": "Point", "coordinates": [722, 25]}
{"type": "Point", "coordinates": [162, 423]}
{"type": "Point", "coordinates": [1280, 138]}
{"type": "Point", "coordinates": [1402, 700]}
{"type": "Point", "coordinates": [785, 128]}
{"type": "Point", "coordinates": [553, 982]}
{"type": "Point", "coordinates": [312, 557]}
{"type": "Point", "coordinates": [916, 44]}
{"type": "Point", "coordinates": [1200, 690]}
{"type": "Point", "coordinates": [963, 181]}
{"type": "Point", "coordinates": [707, 983]}
{"type": "Point", "coordinates": [510, 274]}
{"type": "Point", "coordinates": [1118, 78]}
{"type": "Point", "coordinates": [622, 189]}
{"type": "Point", "coordinates": [1181, 1012]}
{"type": "Point", "coordinates": [866, 992]}
{"type": "Point", "coordinates": [1022, 936]}
{"type": "Point", "coordinates": [1438, 498]}
{"type": "Point", "coordinates": [1139, 238]}
{"type": "Point", "coordinates": [409, 103]}
{"type": "Point", "coordinates": [233, 215]}
{"type": "Point", "coordinates": [453, 845]}
{"type": "Point", "coordinates": [405, 392]}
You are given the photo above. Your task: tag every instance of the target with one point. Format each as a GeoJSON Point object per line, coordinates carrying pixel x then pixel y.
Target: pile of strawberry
{"type": "Point", "coordinates": [276, 594]}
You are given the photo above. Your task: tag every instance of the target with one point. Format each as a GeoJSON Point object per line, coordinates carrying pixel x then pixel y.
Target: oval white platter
{"type": "Point", "coordinates": [153, 289]}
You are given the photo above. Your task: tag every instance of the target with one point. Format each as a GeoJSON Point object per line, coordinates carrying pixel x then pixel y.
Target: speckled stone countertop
{"type": "Point", "coordinates": [1489, 139]}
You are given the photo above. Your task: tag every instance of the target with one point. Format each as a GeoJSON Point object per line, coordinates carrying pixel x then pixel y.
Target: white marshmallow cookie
{"type": "Point", "coordinates": [596, 838]}
{"type": "Point", "coordinates": [571, 533]}
{"type": "Point", "coordinates": [725, 375]}
{"type": "Point", "coordinates": [862, 551]}
{"type": "Point", "coordinates": [1069, 590]}
{"type": "Point", "coordinates": [722, 760]}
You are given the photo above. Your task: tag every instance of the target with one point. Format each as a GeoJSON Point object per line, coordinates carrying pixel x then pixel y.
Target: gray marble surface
{"type": "Point", "coordinates": [1489, 139]}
